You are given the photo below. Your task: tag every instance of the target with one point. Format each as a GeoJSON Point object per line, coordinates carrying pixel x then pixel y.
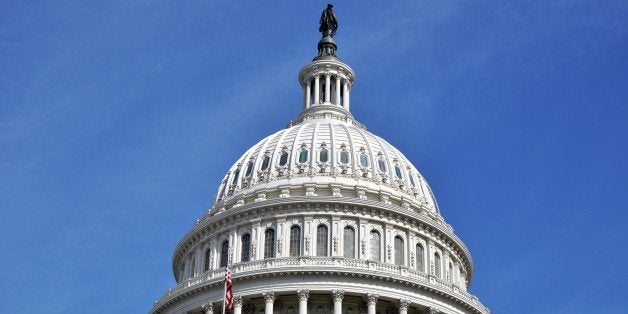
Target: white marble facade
{"type": "Point", "coordinates": [323, 217]}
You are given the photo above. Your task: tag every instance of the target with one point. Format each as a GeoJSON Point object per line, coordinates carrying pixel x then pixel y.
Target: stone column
{"type": "Point", "coordinates": [303, 294]}
{"type": "Point", "coordinates": [209, 308]}
{"type": "Point", "coordinates": [327, 87]}
{"type": "Point", "coordinates": [317, 89]}
{"type": "Point", "coordinates": [237, 305]}
{"type": "Point", "coordinates": [345, 93]}
{"type": "Point", "coordinates": [371, 300]}
{"type": "Point", "coordinates": [306, 94]}
{"type": "Point", "coordinates": [403, 306]}
{"type": "Point", "coordinates": [269, 298]}
{"type": "Point", "coordinates": [338, 91]}
{"type": "Point", "coordinates": [337, 296]}
{"type": "Point", "coordinates": [432, 310]}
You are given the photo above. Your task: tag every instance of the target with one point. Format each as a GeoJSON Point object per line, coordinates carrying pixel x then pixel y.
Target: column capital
{"type": "Point", "coordinates": [269, 296]}
{"type": "Point", "coordinates": [237, 301]}
{"type": "Point", "coordinates": [371, 298]}
{"type": "Point", "coordinates": [208, 307]}
{"type": "Point", "coordinates": [403, 304]}
{"type": "Point", "coordinates": [338, 295]}
{"type": "Point", "coordinates": [432, 310]}
{"type": "Point", "coordinates": [304, 294]}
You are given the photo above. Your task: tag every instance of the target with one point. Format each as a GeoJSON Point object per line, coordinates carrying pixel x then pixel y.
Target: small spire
{"type": "Point", "coordinates": [328, 27]}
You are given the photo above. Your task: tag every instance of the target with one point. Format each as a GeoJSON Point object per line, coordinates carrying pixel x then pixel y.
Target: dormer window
{"type": "Point", "coordinates": [249, 169]}
{"type": "Point", "coordinates": [265, 163]}
{"type": "Point", "coordinates": [304, 155]}
{"type": "Point", "coordinates": [381, 164]}
{"type": "Point", "coordinates": [364, 160]}
{"type": "Point", "coordinates": [398, 172]}
{"type": "Point", "coordinates": [323, 155]}
{"type": "Point", "coordinates": [283, 159]}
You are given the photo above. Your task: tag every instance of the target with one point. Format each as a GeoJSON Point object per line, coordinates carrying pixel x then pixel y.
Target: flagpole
{"type": "Point", "coordinates": [224, 293]}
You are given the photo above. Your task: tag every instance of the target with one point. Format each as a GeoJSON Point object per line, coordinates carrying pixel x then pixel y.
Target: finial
{"type": "Point", "coordinates": [328, 26]}
{"type": "Point", "coordinates": [328, 22]}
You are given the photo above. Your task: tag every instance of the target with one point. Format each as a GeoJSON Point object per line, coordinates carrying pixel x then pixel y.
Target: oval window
{"type": "Point", "coordinates": [364, 160]}
{"type": "Point", "coordinates": [344, 157]}
{"type": "Point", "coordinates": [265, 162]}
{"type": "Point", "coordinates": [283, 160]}
{"type": "Point", "coordinates": [249, 169]}
{"type": "Point", "coordinates": [398, 172]}
{"type": "Point", "coordinates": [324, 155]}
{"type": "Point", "coordinates": [382, 165]}
{"type": "Point", "coordinates": [303, 156]}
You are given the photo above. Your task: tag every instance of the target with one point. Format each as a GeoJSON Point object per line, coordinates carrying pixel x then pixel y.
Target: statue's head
{"type": "Point", "coordinates": [330, 6]}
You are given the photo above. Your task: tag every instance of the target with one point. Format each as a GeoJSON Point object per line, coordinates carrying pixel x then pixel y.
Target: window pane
{"type": "Point", "coordinates": [382, 165]}
{"type": "Point", "coordinates": [398, 172]}
{"type": "Point", "coordinates": [364, 160]}
{"type": "Point", "coordinates": [349, 243]}
{"type": "Point", "coordinates": [375, 246]}
{"type": "Point", "coordinates": [303, 156]}
{"type": "Point", "coordinates": [265, 162]}
{"type": "Point", "coordinates": [249, 169]}
{"type": "Point", "coordinates": [224, 254]}
{"type": "Point", "coordinates": [246, 248]}
{"type": "Point", "coordinates": [269, 243]}
{"type": "Point", "coordinates": [321, 240]}
{"type": "Point", "coordinates": [283, 160]}
{"type": "Point", "coordinates": [208, 256]}
{"type": "Point", "coordinates": [419, 258]}
{"type": "Point", "coordinates": [412, 181]}
{"type": "Point", "coordinates": [295, 241]}
{"type": "Point", "coordinates": [437, 264]}
{"type": "Point", "coordinates": [344, 157]}
{"type": "Point", "coordinates": [398, 250]}
{"type": "Point", "coordinates": [324, 156]}
{"type": "Point", "coordinates": [235, 176]}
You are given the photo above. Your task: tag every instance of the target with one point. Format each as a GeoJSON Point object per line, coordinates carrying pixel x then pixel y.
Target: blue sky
{"type": "Point", "coordinates": [119, 118]}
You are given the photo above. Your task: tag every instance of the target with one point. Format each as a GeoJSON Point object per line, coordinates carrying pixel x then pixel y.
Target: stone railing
{"type": "Point", "coordinates": [330, 263]}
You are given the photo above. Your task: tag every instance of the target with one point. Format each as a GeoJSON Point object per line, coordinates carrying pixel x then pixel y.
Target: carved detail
{"type": "Point", "coordinates": [338, 295]}
{"type": "Point", "coordinates": [303, 294]}
{"type": "Point", "coordinates": [371, 298]}
{"type": "Point", "coordinates": [269, 296]}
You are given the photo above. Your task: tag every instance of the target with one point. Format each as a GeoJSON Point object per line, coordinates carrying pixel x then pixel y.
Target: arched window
{"type": "Point", "coordinates": [437, 264]}
{"type": "Point", "coordinates": [375, 246]}
{"type": "Point", "coordinates": [323, 156]}
{"type": "Point", "coordinates": [381, 164]}
{"type": "Point", "coordinates": [265, 163]}
{"type": "Point", "coordinates": [399, 256]}
{"type": "Point", "coordinates": [364, 160]}
{"type": "Point", "coordinates": [321, 240]}
{"type": "Point", "coordinates": [224, 254]}
{"type": "Point", "coordinates": [419, 258]}
{"type": "Point", "coordinates": [269, 243]}
{"type": "Point", "coordinates": [283, 159]}
{"type": "Point", "coordinates": [295, 241]}
{"type": "Point", "coordinates": [348, 243]}
{"type": "Point", "coordinates": [451, 272]}
{"type": "Point", "coordinates": [303, 155]}
{"type": "Point", "coordinates": [412, 181]}
{"type": "Point", "coordinates": [245, 256]}
{"type": "Point", "coordinates": [249, 169]}
{"type": "Point", "coordinates": [193, 267]}
{"type": "Point", "coordinates": [208, 257]}
{"type": "Point", "coordinates": [398, 172]}
{"type": "Point", "coordinates": [236, 174]}
{"type": "Point", "coordinates": [344, 157]}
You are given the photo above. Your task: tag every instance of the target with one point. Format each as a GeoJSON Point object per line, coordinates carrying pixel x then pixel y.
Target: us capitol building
{"type": "Point", "coordinates": [323, 217]}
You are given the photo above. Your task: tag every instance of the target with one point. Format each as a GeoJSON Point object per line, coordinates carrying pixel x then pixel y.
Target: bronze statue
{"type": "Point", "coordinates": [328, 22]}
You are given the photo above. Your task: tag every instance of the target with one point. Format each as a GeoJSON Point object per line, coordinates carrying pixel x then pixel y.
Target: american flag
{"type": "Point", "coordinates": [228, 289]}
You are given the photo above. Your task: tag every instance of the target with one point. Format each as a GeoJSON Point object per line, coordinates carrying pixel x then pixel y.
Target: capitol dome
{"type": "Point", "coordinates": [323, 217]}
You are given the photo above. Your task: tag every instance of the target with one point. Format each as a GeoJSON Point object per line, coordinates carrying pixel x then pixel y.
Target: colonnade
{"type": "Point", "coordinates": [303, 296]}
{"type": "Point", "coordinates": [312, 94]}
